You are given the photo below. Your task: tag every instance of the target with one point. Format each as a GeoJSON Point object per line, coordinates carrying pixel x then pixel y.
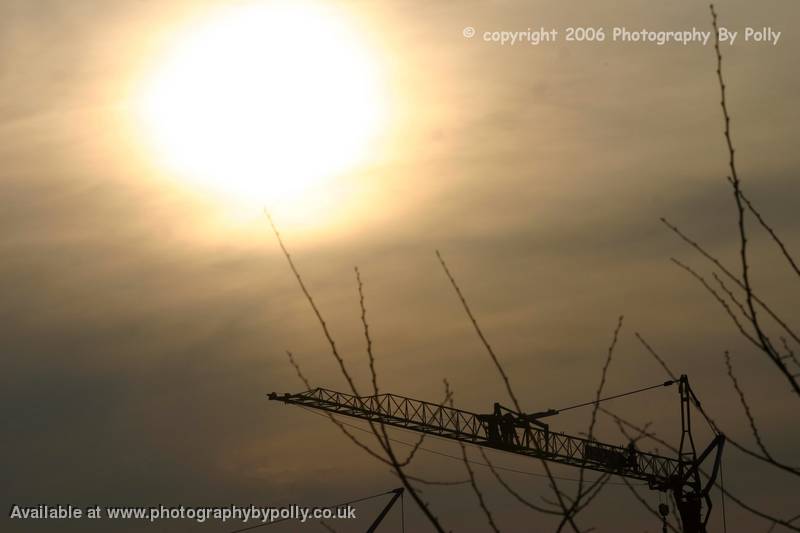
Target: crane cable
{"type": "Point", "coordinates": [594, 402]}
{"type": "Point", "coordinates": [702, 411]}
{"type": "Point", "coordinates": [696, 402]}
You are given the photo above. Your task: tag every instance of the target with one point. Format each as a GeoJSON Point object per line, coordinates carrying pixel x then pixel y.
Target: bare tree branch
{"type": "Point", "coordinates": [771, 232]}
{"type": "Point", "coordinates": [736, 444]}
{"type": "Point", "coordinates": [382, 436]}
{"type": "Point", "coordinates": [513, 492]}
{"type": "Point", "coordinates": [789, 352]}
{"type": "Point", "coordinates": [367, 336]}
{"type": "Point", "coordinates": [333, 419]}
{"type": "Point", "coordinates": [321, 321]}
{"type": "Point", "coordinates": [656, 356]}
{"type": "Point", "coordinates": [766, 345]}
{"type": "Point", "coordinates": [327, 526]}
{"type": "Point", "coordinates": [725, 491]}
{"type": "Point", "coordinates": [501, 371]}
{"type": "Point", "coordinates": [732, 296]}
{"type": "Point", "coordinates": [578, 501]}
{"type": "Point", "coordinates": [472, 482]}
{"type": "Point", "coordinates": [486, 344]}
{"type": "Point", "coordinates": [733, 278]}
{"type": "Point", "coordinates": [721, 301]}
{"type": "Point", "coordinates": [746, 406]}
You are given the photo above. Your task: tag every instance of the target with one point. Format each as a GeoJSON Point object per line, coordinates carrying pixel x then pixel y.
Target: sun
{"type": "Point", "coordinates": [265, 103]}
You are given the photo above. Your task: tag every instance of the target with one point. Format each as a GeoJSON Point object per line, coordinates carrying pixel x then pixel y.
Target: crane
{"type": "Point", "coordinates": [526, 434]}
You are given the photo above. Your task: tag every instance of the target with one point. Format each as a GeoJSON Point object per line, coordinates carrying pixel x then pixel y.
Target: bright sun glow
{"type": "Point", "coordinates": [265, 102]}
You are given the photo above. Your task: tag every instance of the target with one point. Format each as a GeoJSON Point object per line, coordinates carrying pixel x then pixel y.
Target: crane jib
{"type": "Point", "coordinates": [509, 432]}
{"type": "Point", "coordinates": [525, 434]}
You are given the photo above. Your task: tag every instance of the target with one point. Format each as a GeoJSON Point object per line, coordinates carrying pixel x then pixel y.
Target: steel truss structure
{"type": "Point", "coordinates": [526, 434]}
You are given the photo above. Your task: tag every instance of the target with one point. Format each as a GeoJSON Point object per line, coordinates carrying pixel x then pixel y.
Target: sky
{"type": "Point", "coordinates": [146, 315]}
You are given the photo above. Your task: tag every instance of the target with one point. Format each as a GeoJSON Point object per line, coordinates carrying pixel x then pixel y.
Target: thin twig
{"type": "Point", "coordinates": [725, 491]}
{"type": "Point", "coordinates": [732, 296]}
{"type": "Point", "coordinates": [746, 406]}
{"type": "Point", "coordinates": [386, 441]}
{"type": "Point", "coordinates": [576, 504]}
{"type": "Point", "coordinates": [634, 439]}
{"type": "Point", "coordinates": [730, 276]}
{"type": "Point", "coordinates": [321, 321]}
{"type": "Point", "coordinates": [657, 357]}
{"type": "Point", "coordinates": [486, 344]}
{"type": "Point", "coordinates": [737, 193]}
{"type": "Point", "coordinates": [771, 232]}
{"type": "Point", "coordinates": [732, 441]}
{"type": "Point", "coordinates": [789, 352]}
{"type": "Point", "coordinates": [603, 375]}
{"type": "Point", "coordinates": [367, 336]}
{"type": "Point", "coordinates": [720, 300]}
{"type": "Point", "coordinates": [332, 418]}
{"type": "Point", "coordinates": [382, 436]}
{"type": "Point", "coordinates": [513, 492]}
{"type": "Point", "coordinates": [327, 526]}
{"type": "Point", "coordinates": [501, 371]}
{"type": "Point", "coordinates": [790, 521]}
{"type": "Point", "coordinates": [472, 482]}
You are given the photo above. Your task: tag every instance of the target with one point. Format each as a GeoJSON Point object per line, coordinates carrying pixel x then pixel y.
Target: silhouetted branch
{"type": "Point", "coordinates": [513, 492]}
{"type": "Point", "coordinates": [333, 419]}
{"type": "Point", "coordinates": [725, 491]}
{"type": "Point", "coordinates": [732, 296]}
{"type": "Point", "coordinates": [417, 445]}
{"type": "Point", "coordinates": [476, 490]}
{"type": "Point", "coordinates": [413, 451]}
{"type": "Point", "coordinates": [502, 373]}
{"type": "Point", "coordinates": [321, 321]}
{"type": "Point", "coordinates": [396, 463]}
{"type": "Point", "coordinates": [656, 356]}
{"type": "Point", "coordinates": [745, 406]}
{"type": "Point", "coordinates": [366, 333]}
{"type": "Point", "coordinates": [736, 444]}
{"type": "Point", "coordinates": [647, 505]}
{"type": "Point", "coordinates": [603, 375]}
{"type": "Point", "coordinates": [766, 345]}
{"type": "Point", "coordinates": [789, 352]}
{"type": "Point", "coordinates": [382, 436]}
{"type": "Point", "coordinates": [771, 461]}
{"type": "Point", "coordinates": [733, 278]}
{"type": "Point", "coordinates": [327, 526]}
{"type": "Point", "coordinates": [299, 372]}
{"type": "Point", "coordinates": [719, 299]}
{"type": "Point", "coordinates": [371, 356]}
{"type": "Point", "coordinates": [634, 439]}
{"type": "Point", "coordinates": [591, 493]}
{"type": "Point", "coordinates": [472, 482]}
{"type": "Point", "coordinates": [771, 232]}
{"type": "Point", "coordinates": [578, 502]}
{"type": "Point", "coordinates": [797, 517]}
{"type": "Point", "coordinates": [480, 333]}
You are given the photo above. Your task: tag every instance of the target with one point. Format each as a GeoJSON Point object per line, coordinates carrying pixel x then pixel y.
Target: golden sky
{"type": "Point", "coordinates": [147, 308]}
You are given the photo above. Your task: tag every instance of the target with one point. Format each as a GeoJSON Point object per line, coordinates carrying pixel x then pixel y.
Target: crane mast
{"type": "Point", "coordinates": [526, 434]}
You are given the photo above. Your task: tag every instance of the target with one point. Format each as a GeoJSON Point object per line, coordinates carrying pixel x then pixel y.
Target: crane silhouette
{"type": "Point", "coordinates": [526, 434]}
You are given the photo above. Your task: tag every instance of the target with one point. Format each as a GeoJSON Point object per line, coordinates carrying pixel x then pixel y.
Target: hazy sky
{"type": "Point", "coordinates": [144, 319]}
